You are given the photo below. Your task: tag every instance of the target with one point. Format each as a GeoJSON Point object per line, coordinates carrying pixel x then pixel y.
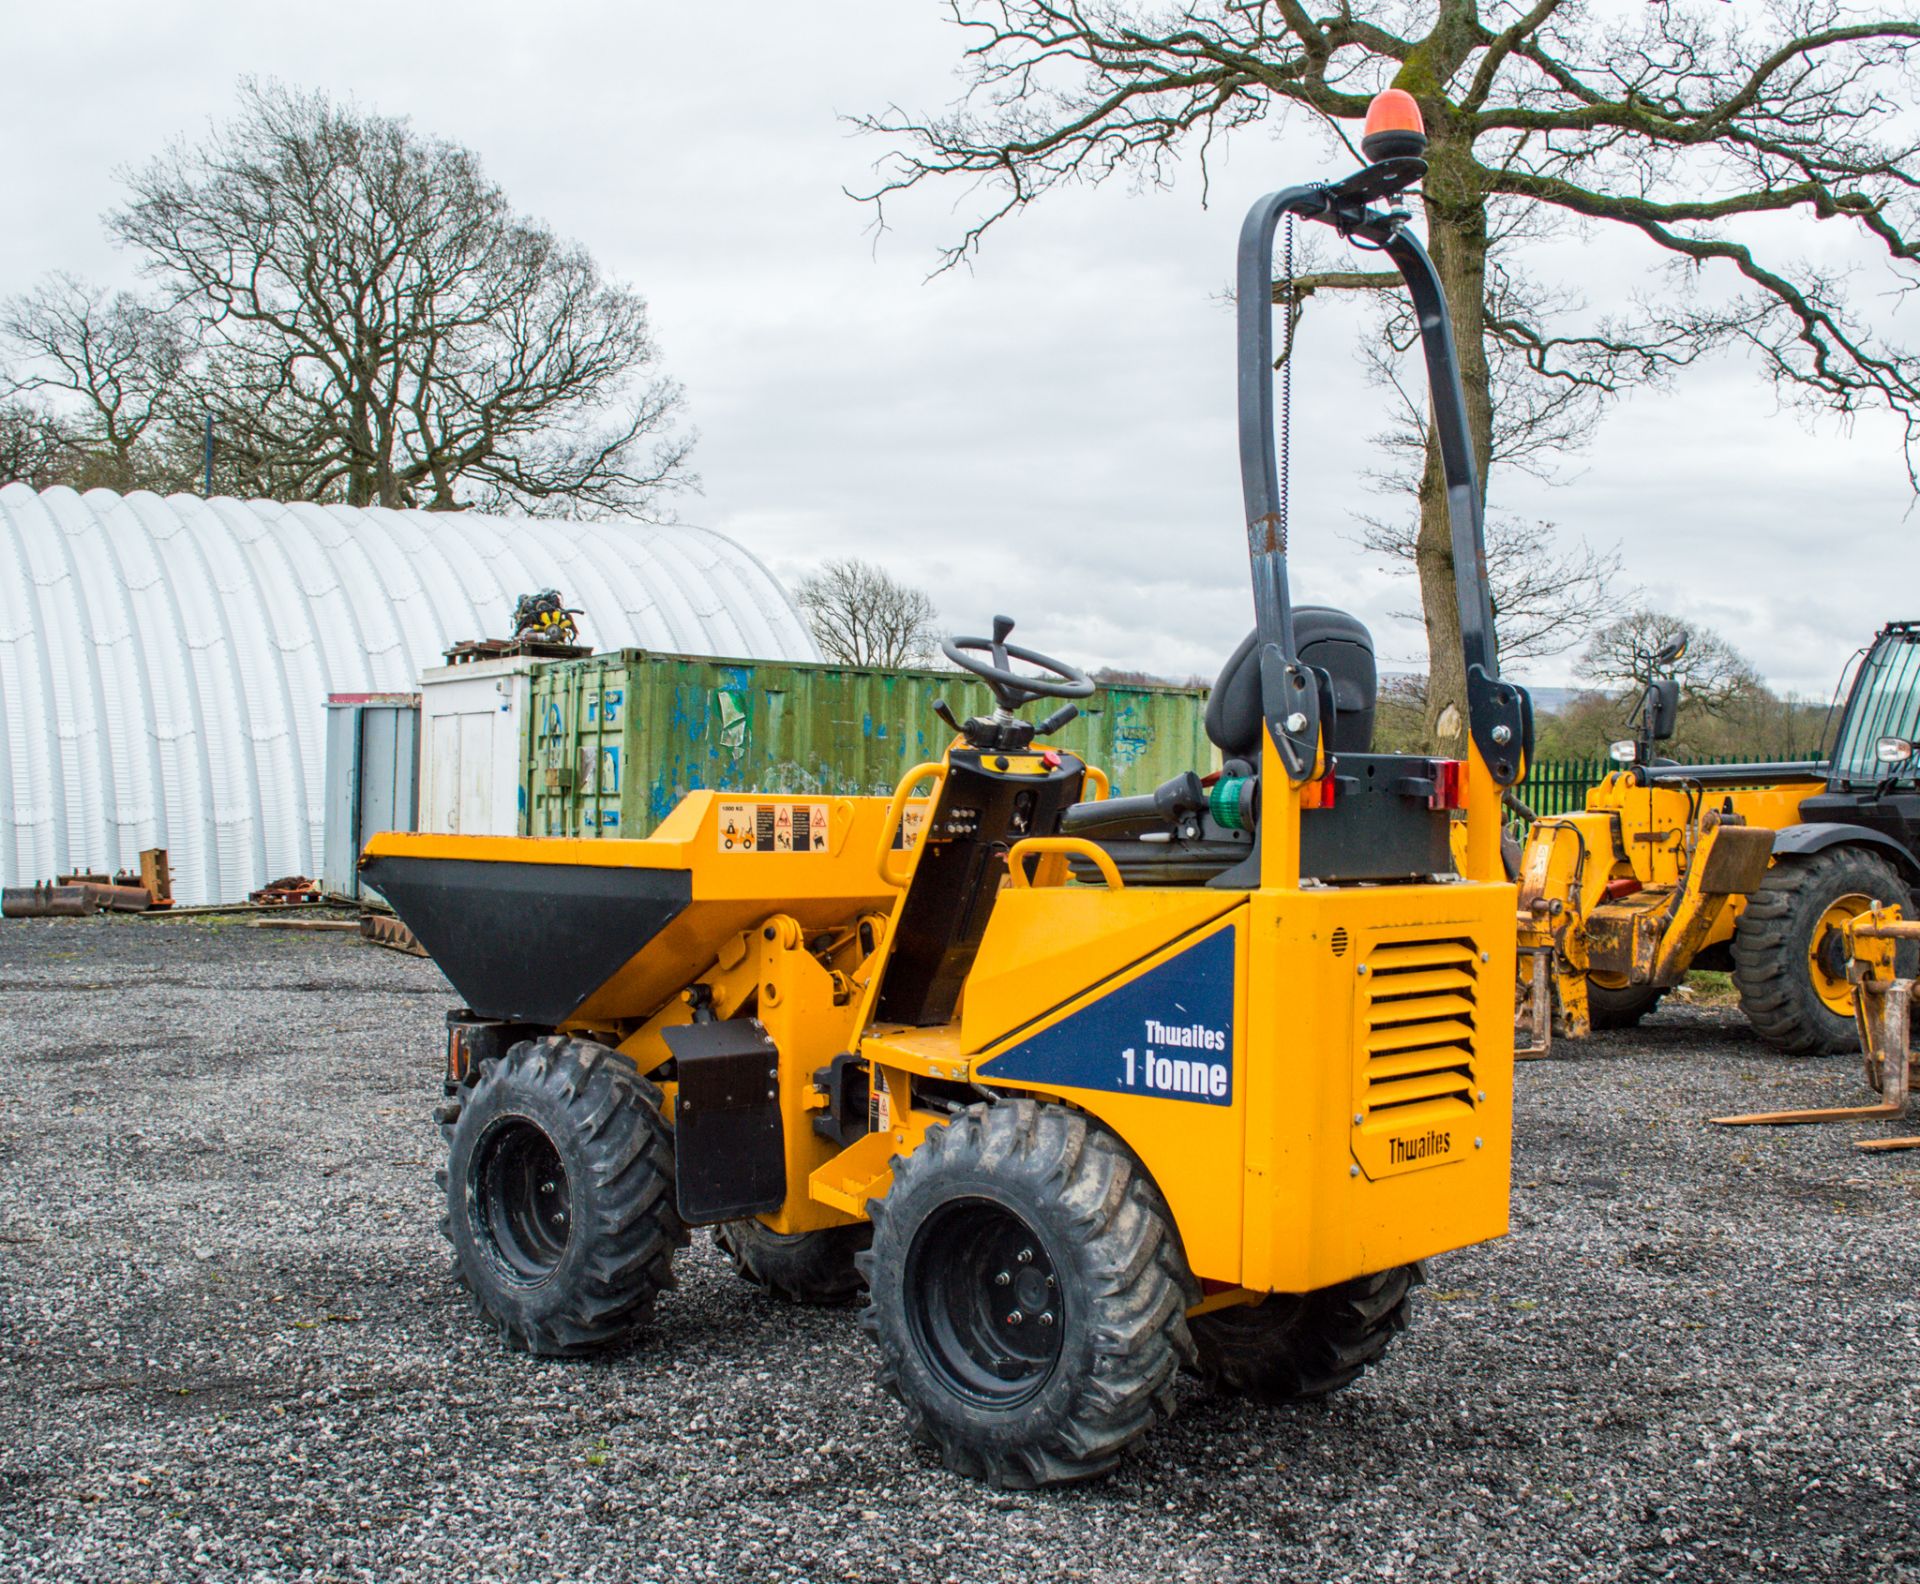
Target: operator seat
{"type": "Point", "coordinates": [1170, 836]}
{"type": "Point", "coordinates": [1328, 640]}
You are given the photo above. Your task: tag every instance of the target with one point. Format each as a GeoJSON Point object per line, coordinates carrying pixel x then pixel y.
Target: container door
{"type": "Point", "coordinates": [473, 776]}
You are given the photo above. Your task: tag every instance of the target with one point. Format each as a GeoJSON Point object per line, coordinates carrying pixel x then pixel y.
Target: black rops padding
{"type": "Point", "coordinates": [1328, 640]}
{"type": "Point", "coordinates": [729, 1149]}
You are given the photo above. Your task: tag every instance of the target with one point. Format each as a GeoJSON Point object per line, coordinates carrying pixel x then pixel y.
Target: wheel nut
{"type": "Point", "coordinates": [1003, 1278]}
{"type": "Point", "coordinates": [1015, 1318]}
{"type": "Point", "coordinates": [1046, 1317]}
{"type": "Point", "coordinates": [546, 1187]}
{"type": "Point", "coordinates": [1025, 1256]}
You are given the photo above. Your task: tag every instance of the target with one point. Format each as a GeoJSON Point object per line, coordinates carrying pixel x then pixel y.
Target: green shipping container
{"type": "Point", "coordinates": [616, 740]}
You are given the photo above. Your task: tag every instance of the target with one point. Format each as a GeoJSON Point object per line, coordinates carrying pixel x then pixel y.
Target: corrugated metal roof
{"type": "Point", "coordinates": [165, 664]}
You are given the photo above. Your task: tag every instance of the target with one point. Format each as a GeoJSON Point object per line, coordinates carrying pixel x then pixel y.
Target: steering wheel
{"type": "Point", "coordinates": [1011, 689]}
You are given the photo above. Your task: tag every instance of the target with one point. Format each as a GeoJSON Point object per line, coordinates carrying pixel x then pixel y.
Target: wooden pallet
{"type": "Point", "coordinates": [506, 648]}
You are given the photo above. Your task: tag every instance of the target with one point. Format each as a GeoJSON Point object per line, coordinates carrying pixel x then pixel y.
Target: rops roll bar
{"type": "Point", "coordinates": [1500, 718]}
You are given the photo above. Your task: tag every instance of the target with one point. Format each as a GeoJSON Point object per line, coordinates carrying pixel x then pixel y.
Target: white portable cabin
{"type": "Point", "coordinates": [473, 723]}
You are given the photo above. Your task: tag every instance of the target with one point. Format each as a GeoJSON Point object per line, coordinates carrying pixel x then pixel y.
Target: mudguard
{"type": "Point", "coordinates": [1792, 841]}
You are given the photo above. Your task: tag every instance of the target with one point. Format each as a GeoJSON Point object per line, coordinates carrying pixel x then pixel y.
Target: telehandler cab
{"type": "Point", "coordinates": [1756, 868]}
{"type": "Point", "coordinates": [1080, 1090]}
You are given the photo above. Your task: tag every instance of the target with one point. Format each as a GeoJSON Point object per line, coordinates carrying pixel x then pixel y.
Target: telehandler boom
{"type": "Point", "coordinates": [1079, 1090]}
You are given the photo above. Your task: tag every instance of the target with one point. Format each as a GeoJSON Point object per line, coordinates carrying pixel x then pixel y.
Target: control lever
{"type": "Point", "coordinates": [941, 709]}
{"type": "Point", "coordinates": [1055, 721]}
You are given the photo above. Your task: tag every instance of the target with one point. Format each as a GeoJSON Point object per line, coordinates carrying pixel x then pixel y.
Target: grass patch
{"type": "Point", "coordinates": [1712, 989]}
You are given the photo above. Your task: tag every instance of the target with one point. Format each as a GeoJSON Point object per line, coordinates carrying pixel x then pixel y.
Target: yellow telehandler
{"type": "Point", "coordinates": [1756, 868]}
{"type": "Point", "coordinates": [1079, 1090]}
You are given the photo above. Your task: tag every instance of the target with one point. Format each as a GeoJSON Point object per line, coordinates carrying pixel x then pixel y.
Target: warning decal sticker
{"type": "Point", "coordinates": [913, 820]}
{"type": "Point", "coordinates": [773, 827]}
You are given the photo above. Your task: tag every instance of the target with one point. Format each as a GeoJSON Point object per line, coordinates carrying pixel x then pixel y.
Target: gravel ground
{"type": "Point", "coordinates": [229, 1348]}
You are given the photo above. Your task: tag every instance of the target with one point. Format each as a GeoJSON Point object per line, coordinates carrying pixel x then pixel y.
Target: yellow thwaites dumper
{"type": "Point", "coordinates": [1078, 1089]}
{"type": "Point", "coordinates": [1756, 868]}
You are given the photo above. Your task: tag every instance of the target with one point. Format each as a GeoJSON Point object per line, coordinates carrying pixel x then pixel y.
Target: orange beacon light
{"type": "Point", "coordinates": [1394, 129]}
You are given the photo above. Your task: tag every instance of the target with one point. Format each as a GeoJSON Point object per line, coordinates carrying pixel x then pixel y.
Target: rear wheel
{"type": "Point", "coordinates": [1620, 1006]}
{"type": "Point", "coordinates": [1790, 957]}
{"type": "Point", "coordinates": [1028, 1295]}
{"type": "Point", "coordinates": [1292, 1346]}
{"type": "Point", "coordinates": [560, 1196]}
{"type": "Point", "coordinates": [802, 1267]}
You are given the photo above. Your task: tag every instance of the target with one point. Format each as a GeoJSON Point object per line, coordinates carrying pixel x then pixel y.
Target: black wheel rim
{"type": "Point", "coordinates": [523, 1200]}
{"type": "Point", "coordinates": [983, 1302]}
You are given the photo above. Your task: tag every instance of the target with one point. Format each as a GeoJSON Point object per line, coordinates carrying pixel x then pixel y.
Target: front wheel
{"type": "Point", "coordinates": [560, 1196]}
{"type": "Point", "coordinates": [1028, 1295]}
{"type": "Point", "coordinates": [1620, 1006]}
{"type": "Point", "coordinates": [1789, 952]}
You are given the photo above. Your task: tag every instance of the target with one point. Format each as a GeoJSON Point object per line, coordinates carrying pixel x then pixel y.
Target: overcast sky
{"type": "Point", "coordinates": [1050, 434]}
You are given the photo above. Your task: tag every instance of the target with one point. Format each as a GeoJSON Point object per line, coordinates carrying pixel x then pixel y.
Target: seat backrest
{"type": "Point", "coordinates": [1328, 640]}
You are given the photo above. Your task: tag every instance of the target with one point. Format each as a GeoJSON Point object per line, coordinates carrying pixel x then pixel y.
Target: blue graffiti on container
{"type": "Point", "coordinates": [661, 798]}
{"type": "Point", "coordinates": [688, 719]}
{"type": "Point", "coordinates": [1128, 745]}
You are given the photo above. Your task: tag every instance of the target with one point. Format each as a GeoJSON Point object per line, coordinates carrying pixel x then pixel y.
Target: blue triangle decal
{"type": "Point", "coordinates": [1167, 1034]}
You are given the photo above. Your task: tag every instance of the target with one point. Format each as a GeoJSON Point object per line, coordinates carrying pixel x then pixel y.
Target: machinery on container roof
{"type": "Point", "coordinates": [1756, 868]}
{"type": "Point", "coordinates": [1210, 1105]}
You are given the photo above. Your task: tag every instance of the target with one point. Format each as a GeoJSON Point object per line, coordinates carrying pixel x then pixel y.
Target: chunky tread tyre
{"type": "Point", "coordinates": [1294, 1346]}
{"type": "Point", "coordinates": [801, 1267]}
{"type": "Point", "coordinates": [603, 1124]}
{"type": "Point", "coordinates": [1123, 1289]}
{"type": "Point", "coordinates": [1771, 943]}
{"type": "Point", "coordinates": [1622, 1008]}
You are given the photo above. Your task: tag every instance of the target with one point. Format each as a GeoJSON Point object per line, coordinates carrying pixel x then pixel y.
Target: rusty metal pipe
{"type": "Point", "coordinates": [46, 901]}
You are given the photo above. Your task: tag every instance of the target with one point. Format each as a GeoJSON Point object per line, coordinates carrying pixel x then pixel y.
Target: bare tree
{"type": "Point", "coordinates": [1691, 126]}
{"type": "Point", "coordinates": [29, 446]}
{"type": "Point", "coordinates": [860, 616]}
{"type": "Point", "coordinates": [1713, 675]}
{"type": "Point", "coordinates": [373, 323]}
{"type": "Point", "coordinates": [1120, 676]}
{"type": "Point", "coordinates": [109, 365]}
{"type": "Point", "coordinates": [1548, 591]}
{"type": "Point", "coordinates": [1546, 594]}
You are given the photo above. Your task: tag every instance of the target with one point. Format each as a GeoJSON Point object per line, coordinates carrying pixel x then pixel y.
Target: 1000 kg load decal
{"type": "Point", "coordinates": [1167, 1034]}
{"type": "Point", "coordinates": [773, 827]}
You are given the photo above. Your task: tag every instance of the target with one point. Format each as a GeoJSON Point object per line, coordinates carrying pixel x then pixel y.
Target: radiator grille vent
{"type": "Point", "coordinates": [1422, 1000]}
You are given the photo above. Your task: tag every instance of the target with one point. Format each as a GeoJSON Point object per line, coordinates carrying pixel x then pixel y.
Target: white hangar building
{"type": "Point", "coordinates": [165, 664]}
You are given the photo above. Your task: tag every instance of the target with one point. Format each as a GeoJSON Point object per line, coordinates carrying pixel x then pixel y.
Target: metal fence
{"type": "Point", "coordinates": [1560, 786]}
